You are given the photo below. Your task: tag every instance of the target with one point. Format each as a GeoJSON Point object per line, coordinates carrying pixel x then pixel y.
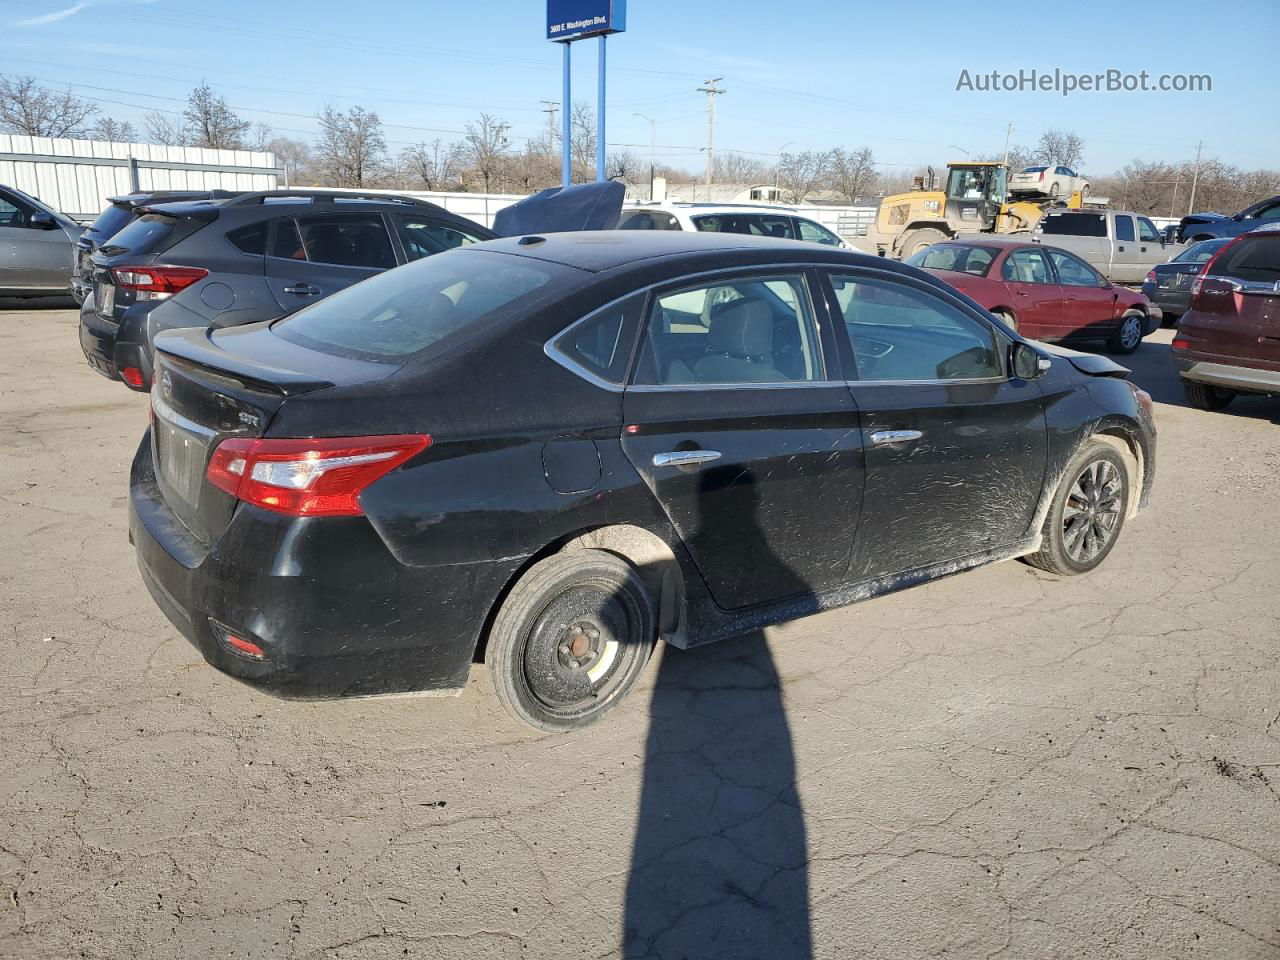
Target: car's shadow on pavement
{"type": "Point", "coordinates": [38, 303]}
{"type": "Point", "coordinates": [720, 862]}
{"type": "Point", "coordinates": [1153, 370]}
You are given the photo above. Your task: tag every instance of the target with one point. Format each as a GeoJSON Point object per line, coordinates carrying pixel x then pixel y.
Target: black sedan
{"type": "Point", "coordinates": [553, 452]}
{"type": "Point", "coordinates": [1168, 285]}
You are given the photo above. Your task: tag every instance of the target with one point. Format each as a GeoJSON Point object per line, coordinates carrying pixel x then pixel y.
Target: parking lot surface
{"type": "Point", "coordinates": [1004, 763]}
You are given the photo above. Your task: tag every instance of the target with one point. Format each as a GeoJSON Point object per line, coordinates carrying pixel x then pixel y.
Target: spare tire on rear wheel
{"type": "Point", "coordinates": [570, 640]}
{"type": "Point", "coordinates": [1087, 511]}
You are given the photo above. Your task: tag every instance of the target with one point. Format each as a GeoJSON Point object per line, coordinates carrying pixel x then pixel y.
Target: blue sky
{"type": "Point", "coordinates": [805, 74]}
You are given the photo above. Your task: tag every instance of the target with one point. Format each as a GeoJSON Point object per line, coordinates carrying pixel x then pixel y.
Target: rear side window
{"type": "Point", "coordinates": [347, 241]}
{"type": "Point", "coordinates": [601, 344]}
{"type": "Point", "coordinates": [1256, 259]}
{"type": "Point", "coordinates": [1124, 228]}
{"type": "Point", "coordinates": [401, 312]}
{"type": "Point", "coordinates": [288, 242]}
{"type": "Point", "coordinates": [251, 239]}
{"type": "Point", "coordinates": [648, 220]}
{"type": "Point", "coordinates": [1075, 225]}
{"type": "Point", "coordinates": [955, 257]}
{"type": "Point", "coordinates": [152, 233]}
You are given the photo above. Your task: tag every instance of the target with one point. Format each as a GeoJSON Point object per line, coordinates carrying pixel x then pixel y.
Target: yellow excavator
{"type": "Point", "coordinates": [974, 200]}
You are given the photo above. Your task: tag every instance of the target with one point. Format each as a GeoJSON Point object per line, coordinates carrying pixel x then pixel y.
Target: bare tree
{"type": "Point", "coordinates": [730, 167]}
{"type": "Point", "coordinates": [296, 157]}
{"type": "Point", "coordinates": [485, 148]}
{"type": "Point", "coordinates": [352, 150]}
{"type": "Point", "coordinates": [114, 130]}
{"type": "Point", "coordinates": [582, 145]}
{"type": "Point", "coordinates": [433, 166]}
{"type": "Point", "coordinates": [259, 136]}
{"type": "Point", "coordinates": [166, 130]}
{"type": "Point", "coordinates": [799, 174]}
{"type": "Point", "coordinates": [853, 172]}
{"type": "Point", "coordinates": [1060, 146]}
{"type": "Point", "coordinates": [211, 123]}
{"type": "Point", "coordinates": [30, 109]}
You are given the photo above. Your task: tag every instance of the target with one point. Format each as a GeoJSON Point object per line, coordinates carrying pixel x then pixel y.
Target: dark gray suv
{"type": "Point", "coordinates": [254, 257]}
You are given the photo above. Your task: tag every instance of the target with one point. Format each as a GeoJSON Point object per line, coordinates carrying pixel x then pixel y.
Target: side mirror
{"type": "Point", "coordinates": [43, 221]}
{"type": "Point", "coordinates": [1027, 363]}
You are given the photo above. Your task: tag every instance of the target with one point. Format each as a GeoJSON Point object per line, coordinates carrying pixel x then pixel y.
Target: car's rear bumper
{"type": "Point", "coordinates": [1174, 303]}
{"type": "Point", "coordinates": [1227, 375]}
{"type": "Point", "coordinates": [109, 347]}
{"type": "Point", "coordinates": [336, 614]}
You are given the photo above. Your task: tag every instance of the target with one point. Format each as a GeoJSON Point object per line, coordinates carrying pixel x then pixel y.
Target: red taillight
{"type": "Point", "coordinates": [1150, 277]}
{"type": "Point", "coordinates": [132, 376]}
{"type": "Point", "coordinates": [1181, 343]}
{"type": "Point", "coordinates": [156, 283]}
{"type": "Point", "coordinates": [1041, 174]}
{"type": "Point", "coordinates": [320, 477]}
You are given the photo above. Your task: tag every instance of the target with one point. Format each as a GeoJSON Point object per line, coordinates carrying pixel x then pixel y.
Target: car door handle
{"type": "Point", "coordinates": [684, 458]}
{"type": "Point", "coordinates": [895, 436]}
{"type": "Point", "coordinates": [303, 290]}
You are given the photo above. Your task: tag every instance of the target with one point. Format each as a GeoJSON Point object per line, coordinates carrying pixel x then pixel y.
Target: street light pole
{"type": "Point", "coordinates": [653, 149]}
{"type": "Point", "coordinates": [952, 146]}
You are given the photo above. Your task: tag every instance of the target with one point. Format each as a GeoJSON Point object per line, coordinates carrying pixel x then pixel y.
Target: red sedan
{"type": "Point", "coordinates": [1042, 291]}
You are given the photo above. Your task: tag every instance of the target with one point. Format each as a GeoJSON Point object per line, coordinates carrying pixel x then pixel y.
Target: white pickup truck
{"type": "Point", "coordinates": [1121, 245]}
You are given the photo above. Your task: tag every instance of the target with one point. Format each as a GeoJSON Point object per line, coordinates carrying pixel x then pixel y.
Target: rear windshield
{"type": "Point", "coordinates": [1034, 169]}
{"type": "Point", "coordinates": [111, 220]}
{"type": "Point", "coordinates": [406, 310]}
{"type": "Point", "coordinates": [958, 257]}
{"type": "Point", "coordinates": [1200, 252]}
{"type": "Point", "coordinates": [1255, 259]}
{"type": "Point", "coordinates": [151, 233]}
{"type": "Point", "coordinates": [1075, 225]}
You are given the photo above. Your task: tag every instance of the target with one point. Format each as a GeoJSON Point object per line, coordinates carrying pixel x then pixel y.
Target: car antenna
{"type": "Point", "coordinates": [527, 241]}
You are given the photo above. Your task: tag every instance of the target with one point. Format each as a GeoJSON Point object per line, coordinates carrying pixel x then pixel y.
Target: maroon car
{"type": "Point", "coordinates": [1228, 342]}
{"type": "Point", "coordinates": [1042, 291]}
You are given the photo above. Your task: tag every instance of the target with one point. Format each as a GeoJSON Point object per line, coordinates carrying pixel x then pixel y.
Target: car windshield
{"type": "Point", "coordinates": [1075, 225]}
{"type": "Point", "coordinates": [406, 310]}
{"type": "Point", "coordinates": [957, 257]}
{"type": "Point", "coordinates": [1200, 252]}
{"type": "Point", "coordinates": [975, 183]}
{"type": "Point", "coordinates": [1256, 259]}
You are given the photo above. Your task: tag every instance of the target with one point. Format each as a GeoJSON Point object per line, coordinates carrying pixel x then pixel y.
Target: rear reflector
{"type": "Point", "coordinates": [318, 477]}
{"type": "Point", "coordinates": [133, 377]}
{"type": "Point", "coordinates": [236, 643]}
{"type": "Point", "coordinates": [156, 283]}
{"type": "Point", "coordinates": [1181, 343]}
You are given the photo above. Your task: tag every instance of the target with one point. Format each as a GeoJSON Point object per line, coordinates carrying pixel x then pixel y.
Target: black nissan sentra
{"type": "Point", "coordinates": [552, 452]}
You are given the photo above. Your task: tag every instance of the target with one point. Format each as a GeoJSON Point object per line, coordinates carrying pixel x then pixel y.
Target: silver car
{"type": "Point", "coordinates": [1048, 180]}
{"type": "Point", "coordinates": [37, 247]}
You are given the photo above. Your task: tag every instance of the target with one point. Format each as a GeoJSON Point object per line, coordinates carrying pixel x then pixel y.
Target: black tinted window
{"type": "Point", "coordinates": [1257, 258]}
{"type": "Point", "coordinates": [1124, 228]}
{"type": "Point", "coordinates": [347, 241]}
{"type": "Point", "coordinates": [151, 233]}
{"type": "Point", "coordinates": [900, 333]}
{"type": "Point", "coordinates": [251, 239]}
{"type": "Point", "coordinates": [1075, 224]}
{"type": "Point", "coordinates": [111, 221]}
{"type": "Point", "coordinates": [403, 311]}
{"type": "Point", "coordinates": [288, 245]}
{"type": "Point", "coordinates": [1073, 271]}
{"type": "Point", "coordinates": [602, 343]}
{"type": "Point", "coordinates": [424, 236]}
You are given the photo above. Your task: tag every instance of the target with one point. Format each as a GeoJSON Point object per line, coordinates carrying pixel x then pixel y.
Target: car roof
{"type": "Point", "coordinates": [600, 250]}
{"type": "Point", "coordinates": [692, 207]}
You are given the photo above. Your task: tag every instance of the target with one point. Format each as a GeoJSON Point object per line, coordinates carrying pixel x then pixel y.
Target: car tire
{"type": "Point", "coordinates": [1202, 396]}
{"type": "Point", "coordinates": [1129, 334]}
{"type": "Point", "coordinates": [1054, 190]}
{"type": "Point", "coordinates": [570, 640]}
{"type": "Point", "coordinates": [1087, 512]}
{"type": "Point", "coordinates": [1007, 318]}
{"type": "Point", "coordinates": [1084, 193]}
{"type": "Point", "coordinates": [917, 240]}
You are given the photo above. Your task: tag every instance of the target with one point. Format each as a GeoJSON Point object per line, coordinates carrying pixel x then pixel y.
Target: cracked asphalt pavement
{"type": "Point", "coordinates": [1001, 764]}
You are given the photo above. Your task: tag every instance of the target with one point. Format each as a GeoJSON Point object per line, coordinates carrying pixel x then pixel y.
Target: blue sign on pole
{"type": "Point", "coordinates": [576, 19]}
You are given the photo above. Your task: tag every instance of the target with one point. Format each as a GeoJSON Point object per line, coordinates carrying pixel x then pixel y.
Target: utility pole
{"type": "Point", "coordinates": [1008, 135]}
{"type": "Point", "coordinates": [1174, 202]}
{"type": "Point", "coordinates": [1195, 179]}
{"type": "Point", "coordinates": [711, 90]}
{"type": "Point", "coordinates": [653, 149]}
{"type": "Point", "coordinates": [549, 107]}
{"type": "Point", "coordinates": [777, 169]}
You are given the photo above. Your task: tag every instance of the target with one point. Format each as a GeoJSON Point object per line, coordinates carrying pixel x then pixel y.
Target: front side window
{"type": "Point", "coordinates": [748, 330]}
{"type": "Point", "coordinates": [816, 233]}
{"type": "Point", "coordinates": [359, 240]}
{"type": "Point", "coordinates": [11, 214]}
{"type": "Point", "coordinates": [1269, 213]}
{"type": "Point", "coordinates": [401, 312]}
{"type": "Point", "coordinates": [898, 332]}
{"type": "Point", "coordinates": [1124, 228]}
{"type": "Point", "coordinates": [1147, 231]}
{"type": "Point", "coordinates": [1026, 266]}
{"type": "Point", "coordinates": [1074, 272]}
{"type": "Point", "coordinates": [424, 236]}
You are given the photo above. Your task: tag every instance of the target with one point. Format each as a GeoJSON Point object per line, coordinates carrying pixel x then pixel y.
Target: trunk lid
{"type": "Point", "coordinates": [212, 385]}
{"type": "Point", "coordinates": [1235, 311]}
